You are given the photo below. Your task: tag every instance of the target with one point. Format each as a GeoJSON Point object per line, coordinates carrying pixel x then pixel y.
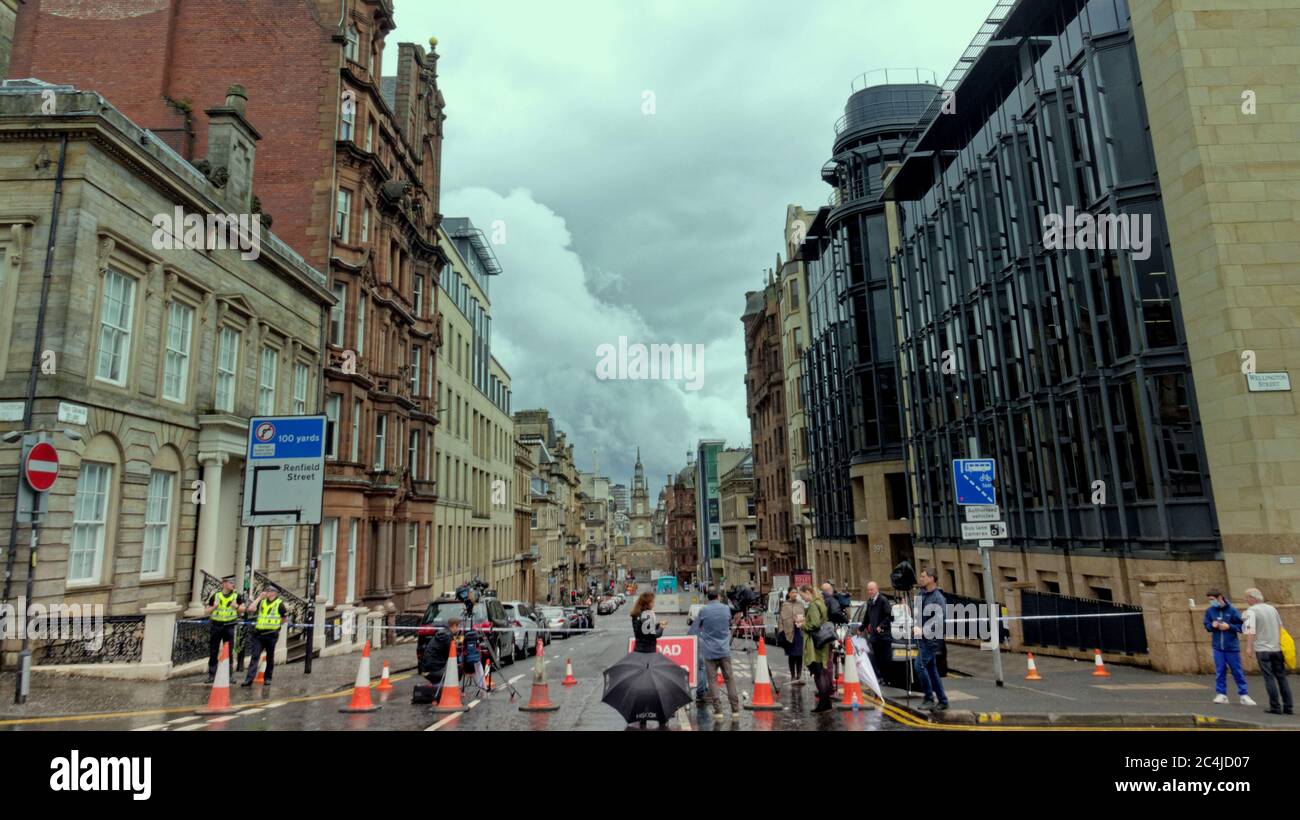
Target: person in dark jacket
{"type": "Point", "coordinates": [433, 664]}
{"type": "Point", "coordinates": [1223, 622]}
{"type": "Point", "coordinates": [877, 628]}
{"type": "Point", "coordinates": [645, 626]}
{"type": "Point", "coordinates": [929, 629]}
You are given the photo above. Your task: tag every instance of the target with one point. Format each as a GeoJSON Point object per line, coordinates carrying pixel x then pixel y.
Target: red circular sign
{"type": "Point", "coordinates": [41, 466]}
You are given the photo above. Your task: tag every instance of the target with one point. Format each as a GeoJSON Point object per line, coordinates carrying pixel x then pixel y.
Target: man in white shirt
{"type": "Point", "coordinates": [1263, 630]}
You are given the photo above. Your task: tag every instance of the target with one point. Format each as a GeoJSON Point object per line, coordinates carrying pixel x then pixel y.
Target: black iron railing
{"type": "Point", "coordinates": [115, 639]}
{"type": "Point", "coordinates": [1082, 623]}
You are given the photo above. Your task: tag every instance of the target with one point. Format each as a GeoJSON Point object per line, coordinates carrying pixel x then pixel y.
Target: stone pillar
{"type": "Point", "coordinates": [205, 547]}
{"type": "Point", "coordinates": [1011, 598]}
{"type": "Point", "coordinates": [282, 644]}
{"type": "Point", "coordinates": [362, 625]}
{"type": "Point", "coordinates": [159, 634]}
{"type": "Point", "coordinates": [318, 624]}
{"type": "Point", "coordinates": [1171, 642]}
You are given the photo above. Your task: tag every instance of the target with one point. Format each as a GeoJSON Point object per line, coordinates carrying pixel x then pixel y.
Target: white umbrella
{"type": "Point", "coordinates": [866, 673]}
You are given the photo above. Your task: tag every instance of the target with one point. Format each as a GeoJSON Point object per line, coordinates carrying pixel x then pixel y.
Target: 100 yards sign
{"type": "Point", "coordinates": [284, 472]}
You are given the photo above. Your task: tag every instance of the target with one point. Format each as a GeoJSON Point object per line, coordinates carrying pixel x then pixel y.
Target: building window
{"type": "Point", "coordinates": [417, 288]}
{"type": "Point", "coordinates": [415, 372]}
{"type": "Point", "coordinates": [351, 43]}
{"type": "Point", "coordinates": [381, 427]}
{"type": "Point", "coordinates": [361, 324]}
{"type": "Point", "coordinates": [412, 552]}
{"type": "Point", "coordinates": [157, 523]}
{"type": "Point", "coordinates": [333, 404]}
{"type": "Point", "coordinates": [116, 310]}
{"type": "Point", "coordinates": [176, 368]}
{"type": "Point", "coordinates": [329, 533]}
{"type": "Point", "coordinates": [343, 214]}
{"type": "Point", "coordinates": [356, 431]}
{"type": "Point", "coordinates": [352, 561]}
{"type": "Point", "coordinates": [266, 382]}
{"type": "Point", "coordinates": [413, 454]}
{"type": "Point", "coordinates": [300, 379]}
{"type": "Point", "coordinates": [370, 134]}
{"type": "Point", "coordinates": [337, 313]}
{"type": "Point", "coordinates": [89, 519]}
{"type": "Point", "coordinates": [347, 120]}
{"type": "Point", "coordinates": [289, 547]}
{"type": "Point", "coordinates": [227, 366]}
{"type": "Point", "coordinates": [365, 224]}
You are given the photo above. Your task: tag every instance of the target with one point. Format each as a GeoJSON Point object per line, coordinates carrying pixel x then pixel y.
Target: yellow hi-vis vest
{"type": "Point", "coordinates": [224, 612]}
{"type": "Point", "coordinates": [268, 616]}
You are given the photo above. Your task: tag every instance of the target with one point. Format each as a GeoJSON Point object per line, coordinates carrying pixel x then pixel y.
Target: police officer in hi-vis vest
{"type": "Point", "coordinates": [223, 609]}
{"type": "Point", "coordinates": [270, 612]}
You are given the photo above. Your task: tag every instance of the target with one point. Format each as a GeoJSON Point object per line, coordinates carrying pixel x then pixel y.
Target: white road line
{"type": "Point", "coordinates": [449, 718]}
{"type": "Point", "coordinates": [222, 719]}
{"type": "Point", "coordinates": [276, 704]}
{"type": "Point", "coordinates": [155, 727]}
{"type": "Point", "coordinates": [191, 727]}
{"type": "Point", "coordinates": [189, 719]}
{"type": "Point", "coordinates": [253, 711]}
{"type": "Point", "coordinates": [515, 678]}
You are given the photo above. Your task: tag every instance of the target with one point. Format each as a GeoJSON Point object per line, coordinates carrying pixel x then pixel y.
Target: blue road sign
{"type": "Point", "coordinates": [284, 474]}
{"type": "Point", "coordinates": [974, 480]}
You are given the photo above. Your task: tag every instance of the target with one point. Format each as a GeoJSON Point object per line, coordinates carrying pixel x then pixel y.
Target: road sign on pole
{"type": "Point", "coordinates": [284, 474]}
{"type": "Point", "coordinates": [983, 512]}
{"type": "Point", "coordinates": [974, 532]}
{"type": "Point", "coordinates": [32, 504]}
{"type": "Point", "coordinates": [41, 466]}
{"type": "Point", "coordinates": [974, 480]}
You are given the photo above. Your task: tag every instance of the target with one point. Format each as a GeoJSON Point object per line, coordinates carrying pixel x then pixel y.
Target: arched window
{"type": "Point", "coordinates": [161, 515]}
{"type": "Point", "coordinates": [94, 507]}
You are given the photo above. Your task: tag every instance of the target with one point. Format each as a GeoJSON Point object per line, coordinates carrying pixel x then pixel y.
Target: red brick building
{"type": "Point", "coordinates": [774, 552]}
{"type": "Point", "coordinates": [348, 169]}
{"type": "Point", "coordinates": [679, 513]}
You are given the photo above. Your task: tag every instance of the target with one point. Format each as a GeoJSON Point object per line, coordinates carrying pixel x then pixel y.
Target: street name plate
{"type": "Point", "coordinates": [974, 532]}
{"type": "Point", "coordinates": [284, 472]}
{"type": "Point", "coordinates": [1268, 382]}
{"type": "Point", "coordinates": [983, 512]}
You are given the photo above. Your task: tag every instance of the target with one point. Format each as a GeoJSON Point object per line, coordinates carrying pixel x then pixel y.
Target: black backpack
{"type": "Point", "coordinates": [834, 611]}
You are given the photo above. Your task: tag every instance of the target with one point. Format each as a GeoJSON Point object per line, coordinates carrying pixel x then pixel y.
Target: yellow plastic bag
{"type": "Point", "coordinates": [1288, 650]}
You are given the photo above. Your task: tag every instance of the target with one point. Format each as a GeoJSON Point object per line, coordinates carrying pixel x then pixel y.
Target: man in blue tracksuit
{"type": "Point", "coordinates": [1223, 622]}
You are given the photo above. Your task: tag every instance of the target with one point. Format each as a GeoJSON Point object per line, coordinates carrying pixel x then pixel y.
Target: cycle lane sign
{"type": "Point", "coordinates": [974, 480]}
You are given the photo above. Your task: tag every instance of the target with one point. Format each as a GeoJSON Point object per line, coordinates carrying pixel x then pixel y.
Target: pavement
{"type": "Point", "coordinates": [1070, 695]}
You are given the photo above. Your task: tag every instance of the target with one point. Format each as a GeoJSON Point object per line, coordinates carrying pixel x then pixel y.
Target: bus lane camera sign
{"type": "Point", "coordinates": [679, 649]}
{"type": "Point", "coordinates": [284, 471]}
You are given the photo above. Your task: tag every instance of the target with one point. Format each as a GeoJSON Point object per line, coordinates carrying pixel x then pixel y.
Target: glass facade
{"type": "Point", "coordinates": [1066, 363]}
{"type": "Point", "coordinates": [850, 377]}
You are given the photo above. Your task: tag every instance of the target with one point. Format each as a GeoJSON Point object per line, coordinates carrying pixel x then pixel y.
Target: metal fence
{"type": "Point", "coordinates": [1082, 623]}
{"type": "Point", "coordinates": [120, 639]}
{"type": "Point", "coordinates": [407, 623]}
{"type": "Point", "coordinates": [190, 643]}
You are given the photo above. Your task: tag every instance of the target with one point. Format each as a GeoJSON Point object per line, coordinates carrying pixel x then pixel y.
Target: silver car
{"type": "Point", "coordinates": [527, 629]}
{"type": "Point", "coordinates": [555, 621]}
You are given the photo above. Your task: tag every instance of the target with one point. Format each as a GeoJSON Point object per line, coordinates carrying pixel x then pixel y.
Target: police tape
{"type": "Point", "coordinates": [353, 624]}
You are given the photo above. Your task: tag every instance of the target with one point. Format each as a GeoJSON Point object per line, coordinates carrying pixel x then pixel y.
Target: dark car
{"type": "Point", "coordinates": [488, 617]}
{"type": "Point", "coordinates": [575, 620]}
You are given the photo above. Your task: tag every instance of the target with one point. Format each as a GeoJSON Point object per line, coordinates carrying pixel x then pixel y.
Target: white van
{"type": "Point", "coordinates": [772, 615]}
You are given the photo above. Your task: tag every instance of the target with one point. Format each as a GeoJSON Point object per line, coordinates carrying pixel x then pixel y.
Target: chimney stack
{"type": "Point", "coordinates": [232, 144]}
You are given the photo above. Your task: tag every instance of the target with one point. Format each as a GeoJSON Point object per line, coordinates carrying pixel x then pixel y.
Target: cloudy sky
{"type": "Point", "coordinates": [639, 155]}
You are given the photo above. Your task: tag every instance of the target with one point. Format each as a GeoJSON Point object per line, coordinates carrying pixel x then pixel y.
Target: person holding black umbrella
{"type": "Point", "coordinates": [645, 625]}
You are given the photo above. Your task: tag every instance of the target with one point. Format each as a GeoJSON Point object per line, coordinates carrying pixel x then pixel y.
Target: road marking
{"type": "Point", "coordinates": [449, 718]}
{"type": "Point", "coordinates": [189, 719]}
{"type": "Point", "coordinates": [191, 727]}
{"type": "Point", "coordinates": [515, 678]}
{"type": "Point", "coordinates": [155, 727]}
{"type": "Point", "coordinates": [275, 704]}
{"type": "Point", "coordinates": [222, 719]}
{"type": "Point", "coordinates": [253, 711]}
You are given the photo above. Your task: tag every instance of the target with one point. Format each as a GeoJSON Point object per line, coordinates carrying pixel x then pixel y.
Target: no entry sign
{"type": "Point", "coordinates": [679, 649]}
{"type": "Point", "coordinates": [41, 467]}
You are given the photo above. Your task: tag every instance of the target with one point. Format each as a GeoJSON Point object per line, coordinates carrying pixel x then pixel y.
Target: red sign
{"type": "Point", "coordinates": [801, 577]}
{"type": "Point", "coordinates": [41, 467]}
{"type": "Point", "coordinates": [679, 649]}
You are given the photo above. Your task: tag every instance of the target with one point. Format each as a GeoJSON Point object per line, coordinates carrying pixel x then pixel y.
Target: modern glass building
{"type": "Point", "coordinates": [1067, 361]}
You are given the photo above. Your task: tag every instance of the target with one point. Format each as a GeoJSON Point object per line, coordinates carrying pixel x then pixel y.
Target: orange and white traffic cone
{"type": "Point", "coordinates": [839, 679]}
{"type": "Point", "coordinates": [1033, 669]}
{"type": "Point", "coordinates": [540, 700]}
{"type": "Point", "coordinates": [361, 689]}
{"type": "Point", "coordinates": [219, 700]}
{"type": "Point", "coordinates": [720, 680]}
{"type": "Point", "coordinates": [762, 700]}
{"type": "Point", "coordinates": [487, 673]}
{"type": "Point", "coordinates": [1100, 667]}
{"type": "Point", "coordinates": [853, 698]}
{"type": "Point", "coordinates": [260, 680]}
{"type": "Point", "coordinates": [450, 701]}
{"type": "Point", "coordinates": [385, 685]}
{"type": "Point", "coordinates": [569, 679]}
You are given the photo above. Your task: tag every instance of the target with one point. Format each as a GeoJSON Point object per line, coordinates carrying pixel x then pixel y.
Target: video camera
{"type": "Point", "coordinates": [468, 593]}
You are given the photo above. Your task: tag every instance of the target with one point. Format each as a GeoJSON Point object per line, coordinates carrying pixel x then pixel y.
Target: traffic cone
{"type": "Point", "coordinates": [361, 689]}
{"type": "Point", "coordinates": [762, 700]}
{"type": "Point", "coordinates": [720, 680]}
{"type": "Point", "coordinates": [219, 700]}
{"type": "Point", "coordinates": [853, 698]}
{"type": "Point", "coordinates": [260, 680]}
{"type": "Point", "coordinates": [1033, 669]}
{"type": "Point", "coordinates": [1100, 670]}
{"type": "Point", "coordinates": [569, 679]}
{"type": "Point", "coordinates": [385, 685]}
{"type": "Point", "coordinates": [540, 700]}
{"type": "Point", "coordinates": [839, 679]}
{"type": "Point", "coordinates": [450, 698]}
{"type": "Point", "coordinates": [487, 673]}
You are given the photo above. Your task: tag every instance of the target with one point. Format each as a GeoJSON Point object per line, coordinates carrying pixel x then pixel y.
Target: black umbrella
{"type": "Point", "coordinates": [646, 686]}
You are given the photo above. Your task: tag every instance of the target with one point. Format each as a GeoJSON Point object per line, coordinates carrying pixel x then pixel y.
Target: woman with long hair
{"type": "Point", "coordinates": [791, 631]}
{"type": "Point", "coordinates": [645, 626]}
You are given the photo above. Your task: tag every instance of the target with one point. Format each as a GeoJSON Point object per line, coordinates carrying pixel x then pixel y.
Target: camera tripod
{"type": "Point", "coordinates": [488, 649]}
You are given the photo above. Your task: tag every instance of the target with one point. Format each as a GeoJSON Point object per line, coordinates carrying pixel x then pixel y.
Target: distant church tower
{"type": "Point", "coordinates": [640, 513]}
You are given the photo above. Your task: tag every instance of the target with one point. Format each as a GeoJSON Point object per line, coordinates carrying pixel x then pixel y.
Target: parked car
{"type": "Point", "coordinates": [772, 615]}
{"type": "Point", "coordinates": [587, 616]}
{"type": "Point", "coordinates": [527, 629]}
{"type": "Point", "coordinates": [488, 617]}
{"type": "Point", "coordinates": [573, 619]}
{"type": "Point", "coordinates": [557, 622]}
{"type": "Point", "coordinates": [901, 649]}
